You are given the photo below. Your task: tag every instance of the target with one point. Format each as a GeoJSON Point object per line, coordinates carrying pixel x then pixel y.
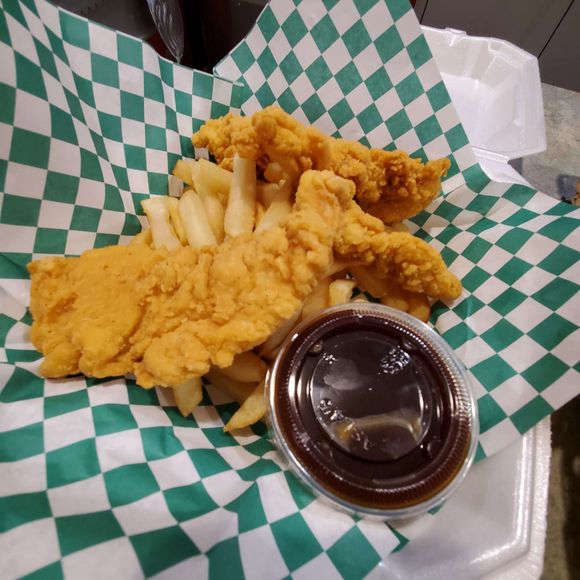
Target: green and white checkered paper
{"type": "Point", "coordinates": [102, 478]}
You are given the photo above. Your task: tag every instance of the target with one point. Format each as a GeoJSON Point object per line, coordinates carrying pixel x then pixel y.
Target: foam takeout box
{"type": "Point", "coordinates": [496, 90]}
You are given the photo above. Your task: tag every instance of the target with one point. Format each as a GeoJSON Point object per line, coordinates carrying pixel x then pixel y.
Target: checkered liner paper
{"type": "Point", "coordinates": [102, 478]}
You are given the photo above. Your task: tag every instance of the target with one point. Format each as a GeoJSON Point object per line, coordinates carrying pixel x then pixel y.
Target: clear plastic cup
{"type": "Point", "coordinates": [373, 411]}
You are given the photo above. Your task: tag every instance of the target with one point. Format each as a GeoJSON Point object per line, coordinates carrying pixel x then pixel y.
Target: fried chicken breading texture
{"type": "Point", "coordinates": [389, 184]}
{"type": "Point", "coordinates": [402, 258]}
{"type": "Point", "coordinates": [166, 317]}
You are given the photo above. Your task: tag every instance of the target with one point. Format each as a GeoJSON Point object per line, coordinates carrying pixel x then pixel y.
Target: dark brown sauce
{"type": "Point", "coordinates": [370, 411]}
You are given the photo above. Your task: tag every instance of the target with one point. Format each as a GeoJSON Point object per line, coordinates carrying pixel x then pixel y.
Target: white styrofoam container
{"type": "Point", "coordinates": [495, 526]}
{"type": "Point", "coordinates": [495, 87]}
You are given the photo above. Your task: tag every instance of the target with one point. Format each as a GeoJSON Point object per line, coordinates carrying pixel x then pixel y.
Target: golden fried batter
{"type": "Point", "coordinates": [165, 317]}
{"type": "Point", "coordinates": [389, 184]}
{"type": "Point", "coordinates": [407, 261]}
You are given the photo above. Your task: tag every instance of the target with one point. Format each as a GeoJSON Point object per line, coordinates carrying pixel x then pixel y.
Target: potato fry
{"type": "Point", "coordinates": [359, 298]}
{"type": "Point", "coordinates": [368, 282]}
{"type": "Point", "coordinates": [215, 213]}
{"type": "Point", "coordinates": [212, 184]}
{"type": "Point", "coordinates": [161, 229]}
{"type": "Point", "coordinates": [266, 192]}
{"type": "Point", "coordinates": [391, 294]}
{"type": "Point", "coordinates": [184, 169]}
{"type": "Point", "coordinates": [274, 173]}
{"type": "Point", "coordinates": [247, 367]}
{"type": "Point", "coordinates": [175, 187]}
{"type": "Point", "coordinates": [172, 204]}
{"type": "Point", "coordinates": [419, 307]}
{"type": "Point", "coordinates": [340, 291]}
{"type": "Point", "coordinates": [396, 301]}
{"type": "Point", "coordinates": [341, 268]}
{"type": "Point", "coordinates": [275, 191]}
{"type": "Point", "coordinates": [317, 301]}
{"type": "Point", "coordinates": [289, 165]}
{"type": "Point", "coordinates": [277, 211]}
{"type": "Point", "coordinates": [237, 390]}
{"type": "Point", "coordinates": [277, 203]}
{"type": "Point", "coordinates": [195, 221]}
{"type": "Point", "coordinates": [285, 191]}
{"type": "Point", "coordinates": [260, 211]}
{"type": "Point", "coordinates": [213, 179]}
{"type": "Point", "coordinates": [416, 305]}
{"type": "Point", "coordinates": [188, 395]}
{"type": "Point", "coordinates": [268, 349]}
{"type": "Point", "coordinates": [241, 209]}
{"type": "Point", "coordinates": [252, 410]}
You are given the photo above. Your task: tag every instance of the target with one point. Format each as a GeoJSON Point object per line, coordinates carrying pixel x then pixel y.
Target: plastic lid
{"type": "Point", "coordinates": [373, 410]}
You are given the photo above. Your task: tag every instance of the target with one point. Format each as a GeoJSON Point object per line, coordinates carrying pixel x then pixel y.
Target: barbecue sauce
{"type": "Point", "coordinates": [371, 411]}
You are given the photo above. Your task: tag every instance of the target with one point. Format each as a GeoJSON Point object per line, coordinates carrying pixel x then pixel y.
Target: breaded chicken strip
{"type": "Point", "coordinates": [165, 317]}
{"type": "Point", "coordinates": [407, 261]}
{"type": "Point", "coordinates": [389, 184]}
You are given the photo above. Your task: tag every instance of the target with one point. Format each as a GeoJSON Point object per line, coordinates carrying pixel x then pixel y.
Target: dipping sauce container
{"type": "Point", "coordinates": [373, 411]}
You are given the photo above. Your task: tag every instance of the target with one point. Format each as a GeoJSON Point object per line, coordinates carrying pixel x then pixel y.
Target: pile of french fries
{"type": "Point", "coordinates": [208, 204]}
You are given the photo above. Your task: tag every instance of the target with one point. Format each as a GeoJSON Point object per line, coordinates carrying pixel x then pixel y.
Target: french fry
{"type": "Point", "coordinates": [241, 209]}
{"type": "Point", "coordinates": [359, 298]}
{"type": "Point", "coordinates": [268, 348]}
{"type": "Point", "coordinates": [284, 192]}
{"type": "Point", "coordinates": [247, 367]}
{"type": "Point", "coordinates": [368, 282]}
{"type": "Point", "coordinates": [274, 172]}
{"type": "Point", "coordinates": [289, 165]}
{"type": "Point", "coordinates": [391, 294]}
{"type": "Point", "coordinates": [317, 301]}
{"type": "Point", "coordinates": [277, 211]}
{"type": "Point", "coordinates": [213, 179]}
{"type": "Point", "coordinates": [175, 187]}
{"type": "Point", "coordinates": [195, 221]}
{"type": "Point", "coordinates": [205, 177]}
{"type": "Point", "coordinates": [188, 395]}
{"type": "Point", "coordinates": [237, 390]}
{"type": "Point", "coordinates": [215, 214]}
{"type": "Point", "coordinates": [395, 300]}
{"type": "Point", "coordinates": [260, 211]}
{"type": "Point", "coordinates": [278, 207]}
{"type": "Point", "coordinates": [266, 192]}
{"type": "Point", "coordinates": [161, 230]}
{"type": "Point", "coordinates": [340, 291]}
{"type": "Point", "coordinates": [338, 267]}
{"type": "Point", "coordinates": [415, 304]}
{"type": "Point", "coordinates": [184, 169]}
{"type": "Point", "coordinates": [172, 204]}
{"type": "Point", "coordinates": [251, 411]}
{"type": "Point", "coordinates": [419, 307]}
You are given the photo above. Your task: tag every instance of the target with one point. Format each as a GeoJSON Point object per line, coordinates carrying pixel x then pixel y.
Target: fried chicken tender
{"type": "Point", "coordinates": [407, 261]}
{"type": "Point", "coordinates": [389, 184]}
{"type": "Point", "coordinates": [165, 317]}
